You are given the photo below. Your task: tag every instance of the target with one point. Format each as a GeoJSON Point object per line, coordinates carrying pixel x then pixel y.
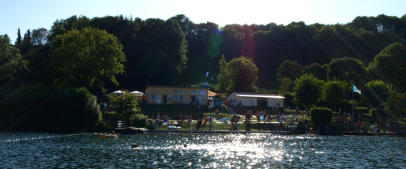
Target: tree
{"type": "Point", "coordinates": [367, 23]}
{"type": "Point", "coordinates": [233, 37]}
{"type": "Point", "coordinates": [185, 23]}
{"type": "Point", "coordinates": [27, 42]}
{"type": "Point", "coordinates": [204, 42]}
{"type": "Point", "coordinates": [307, 90]}
{"type": "Point", "coordinates": [286, 84]}
{"type": "Point", "coordinates": [223, 80]}
{"type": "Point", "coordinates": [376, 93]}
{"type": "Point", "coordinates": [161, 53]}
{"type": "Point", "coordinates": [124, 105]}
{"type": "Point", "coordinates": [50, 109]}
{"type": "Point", "coordinates": [11, 62]}
{"type": "Point", "coordinates": [317, 70]}
{"type": "Point", "coordinates": [334, 92]}
{"type": "Point", "coordinates": [39, 36]}
{"type": "Point", "coordinates": [19, 41]}
{"type": "Point", "coordinates": [289, 69]}
{"type": "Point", "coordinates": [396, 104]}
{"type": "Point", "coordinates": [289, 100]}
{"type": "Point", "coordinates": [86, 58]}
{"type": "Point", "coordinates": [321, 116]}
{"type": "Point", "coordinates": [243, 74]}
{"type": "Point", "coordinates": [390, 66]}
{"type": "Point", "coordinates": [348, 69]}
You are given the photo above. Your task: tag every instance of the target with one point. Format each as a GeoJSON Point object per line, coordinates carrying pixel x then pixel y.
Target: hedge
{"type": "Point", "coordinates": [321, 116]}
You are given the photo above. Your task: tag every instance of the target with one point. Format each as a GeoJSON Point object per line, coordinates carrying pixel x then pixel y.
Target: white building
{"type": "Point", "coordinates": [254, 99]}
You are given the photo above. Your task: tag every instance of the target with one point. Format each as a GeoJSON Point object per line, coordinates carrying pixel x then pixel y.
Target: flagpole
{"type": "Point", "coordinates": [352, 98]}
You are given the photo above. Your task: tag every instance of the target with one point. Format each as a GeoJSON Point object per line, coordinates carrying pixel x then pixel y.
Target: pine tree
{"type": "Point", "coordinates": [19, 42]}
{"type": "Point", "coordinates": [27, 42]}
{"type": "Point", "coordinates": [223, 80]}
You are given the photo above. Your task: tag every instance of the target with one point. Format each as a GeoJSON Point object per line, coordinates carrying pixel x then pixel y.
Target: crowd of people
{"type": "Point", "coordinates": [351, 124]}
{"type": "Point", "coordinates": [291, 121]}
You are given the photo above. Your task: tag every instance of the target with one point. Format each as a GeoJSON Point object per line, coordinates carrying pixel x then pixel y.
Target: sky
{"type": "Point", "coordinates": [34, 14]}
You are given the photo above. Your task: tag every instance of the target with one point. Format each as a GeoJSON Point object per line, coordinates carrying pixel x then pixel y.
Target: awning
{"type": "Point", "coordinates": [260, 96]}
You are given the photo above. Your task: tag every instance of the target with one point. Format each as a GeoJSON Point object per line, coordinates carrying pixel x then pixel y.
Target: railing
{"type": "Point", "coordinates": [120, 124]}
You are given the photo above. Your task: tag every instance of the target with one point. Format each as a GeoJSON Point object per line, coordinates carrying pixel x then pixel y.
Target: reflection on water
{"type": "Point", "coordinates": [38, 150]}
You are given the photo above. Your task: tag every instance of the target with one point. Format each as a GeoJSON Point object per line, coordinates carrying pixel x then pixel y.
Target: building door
{"type": "Point", "coordinates": [158, 99]}
{"type": "Point", "coordinates": [165, 99]}
{"type": "Point", "coordinates": [262, 103]}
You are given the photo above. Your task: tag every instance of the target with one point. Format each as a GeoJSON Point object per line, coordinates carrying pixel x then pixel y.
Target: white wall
{"type": "Point", "coordinates": [248, 101]}
{"type": "Point", "coordinates": [275, 102]}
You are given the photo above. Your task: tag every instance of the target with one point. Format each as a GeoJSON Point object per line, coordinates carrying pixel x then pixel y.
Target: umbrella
{"type": "Point", "coordinates": [137, 93]}
{"type": "Point", "coordinates": [118, 92]}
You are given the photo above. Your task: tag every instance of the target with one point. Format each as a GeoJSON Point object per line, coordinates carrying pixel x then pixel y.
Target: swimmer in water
{"type": "Point", "coordinates": [185, 145]}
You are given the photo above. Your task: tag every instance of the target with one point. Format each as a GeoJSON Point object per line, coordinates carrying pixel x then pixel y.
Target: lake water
{"type": "Point", "coordinates": [162, 150]}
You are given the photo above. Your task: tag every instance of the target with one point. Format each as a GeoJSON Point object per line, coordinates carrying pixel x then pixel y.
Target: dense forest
{"type": "Point", "coordinates": [179, 52]}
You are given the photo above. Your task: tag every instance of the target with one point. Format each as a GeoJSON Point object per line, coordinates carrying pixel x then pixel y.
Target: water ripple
{"type": "Point", "coordinates": [39, 150]}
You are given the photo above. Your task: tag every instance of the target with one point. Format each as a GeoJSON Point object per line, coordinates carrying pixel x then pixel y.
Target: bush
{"type": "Point", "coordinates": [334, 92]}
{"type": "Point", "coordinates": [219, 115]}
{"type": "Point", "coordinates": [378, 115]}
{"type": "Point", "coordinates": [149, 125]}
{"type": "Point", "coordinates": [140, 120]}
{"type": "Point", "coordinates": [124, 105]}
{"type": "Point", "coordinates": [346, 106]}
{"type": "Point", "coordinates": [361, 111]}
{"type": "Point", "coordinates": [396, 104]}
{"type": "Point", "coordinates": [288, 101]}
{"type": "Point", "coordinates": [307, 90]}
{"type": "Point", "coordinates": [110, 120]}
{"type": "Point", "coordinates": [337, 128]}
{"type": "Point", "coordinates": [321, 116]}
{"type": "Point", "coordinates": [38, 107]}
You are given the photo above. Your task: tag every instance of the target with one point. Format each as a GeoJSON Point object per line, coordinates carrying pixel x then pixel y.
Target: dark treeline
{"type": "Point", "coordinates": [179, 52]}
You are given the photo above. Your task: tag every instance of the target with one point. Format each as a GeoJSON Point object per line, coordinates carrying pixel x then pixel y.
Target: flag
{"type": "Point", "coordinates": [355, 89]}
{"type": "Point", "coordinates": [207, 74]}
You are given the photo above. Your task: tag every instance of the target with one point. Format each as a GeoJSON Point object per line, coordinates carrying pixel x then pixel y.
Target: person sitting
{"type": "Point", "coordinates": [190, 119]}
{"type": "Point", "coordinates": [181, 118]}
{"type": "Point", "coordinates": [205, 120]}
{"type": "Point", "coordinates": [248, 116]}
{"type": "Point", "coordinates": [198, 124]}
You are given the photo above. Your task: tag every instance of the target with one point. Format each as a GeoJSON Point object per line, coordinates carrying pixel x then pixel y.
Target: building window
{"type": "Point", "coordinates": [158, 99]}
{"type": "Point", "coordinates": [169, 98]}
{"type": "Point", "coordinates": [181, 98]}
{"type": "Point", "coordinates": [175, 91]}
{"type": "Point", "coordinates": [196, 100]}
{"type": "Point", "coordinates": [180, 91]}
{"type": "Point", "coordinates": [152, 96]}
{"type": "Point", "coordinates": [195, 92]}
{"type": "Point", "coordinates": [175, 98]}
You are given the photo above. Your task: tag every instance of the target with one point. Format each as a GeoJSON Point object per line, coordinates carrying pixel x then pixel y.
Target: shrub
{"type": "Point", "coordinates": [378, 115]}
{"type": "Point", "coordinates": [139, 120]}
{"type": "Point", "coordinates": [307, 90]}
{"type": "Point", "coordinates": [38, 107]}
{"type": "Point", "coordinates": [288, 101]}
{"type": "Point", "coordinates": [337, 128]}
{"type": "Point", "coordinates": [346, 106]}
{"type": "Point", "coordinates": [361, 111]}
{"type": "Point", "coordinates": [334, 92]}
{"type": "Point", "coordinates": [149, 125]}
{"type": "Point", "coordinates": [321, 116]}
{"type": "Point", "coordinates": [124, 105]}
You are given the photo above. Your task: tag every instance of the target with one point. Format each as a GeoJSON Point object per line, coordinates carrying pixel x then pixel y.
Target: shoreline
{"type": "Point", "coordinates": [133, 130]}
